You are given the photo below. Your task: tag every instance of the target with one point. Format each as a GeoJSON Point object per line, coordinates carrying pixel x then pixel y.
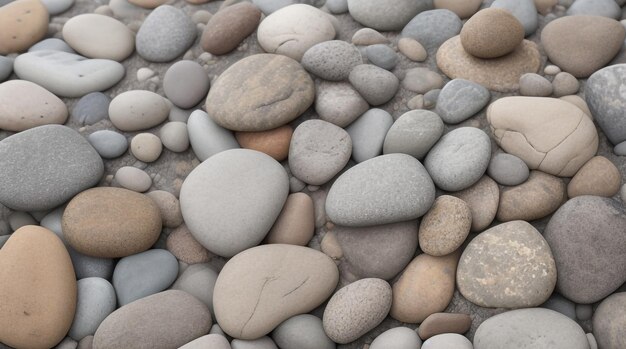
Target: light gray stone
{"type": "Point", "coordinates": [368, 134]}
{"type": "Point", "coordinates": [186, 83]}
{"type": "Point", "coordinates": [6, 67]}
{"type": "Point", "coordinates": [534, 85]}
{"type": "Point", "coordinates": [213, 341]}
{"type": "Point", "coordinates": [432, 28]}
{"type": "Point", "coordinates": [199, 281]}
{"type": "Point", "coordinates": [133, 178]}
{"type": "Point", "coordinates": [565, 84]}
{"type": "Point", "coordinates": [375, 84]}
{"type": "Point", "coordinates": [414, 133]}
{"type": "Point", "coordinates": [524, 10]}
{"type": "Point", "coordinates": [603, 92]}
{"type": "Point", "coordinates": [208, 138]}
{"type": "Point", "coordinates": [605, 8]}
{"type": "Point", "coordinates": [261, 343]}
{"type": "Point", "coordinates": [95, 301]}
{"type": "Point", "coordinates": [91, 108]}
{"type": "Point", "coordinates": [174, 136]}
{"type": "Point", "coordinates": [270, 6]}
{"type": "Point", "coordinates": [52, 44]}
{"type": "Point", "coordinates": [165, 34]}
{"type": "Point", "coordinates": [562, 305]}
{"type": "Point", "coordinates": [422, 80]}
{"type": "Point", "coordinates": [302, 332]}
{"type": "Point", "coordinates": [382, 56]}
{"type": "Point", "coordinates": [447, 340]}
{"type": "Point", "coordinates": [109, 144]}
{"type": "Point", "coordinates": [386, 15]}
{"type": "Point", "coordinates": [339, 103]}
{"type": "Point", "coordinates": [461, 99]}
{"type": "Point", "coordinates": [337, 6]}
{"type": "Point", "coordinates": [609, 325]}
{"type": "Point", "coordinates": [397, 338]}
{"type": "Point", "coordinates": [56, 7]}
{"type": "Point", "coordinates": [332, 60]}
{"type": "Point", "coordinates": [507, 169]}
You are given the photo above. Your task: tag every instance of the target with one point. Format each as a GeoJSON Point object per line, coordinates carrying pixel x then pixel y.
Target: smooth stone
{"type": "Point", "coordinates": [137, 110]}
{"type": "Point", "coordinates": [287, 31]}
{"type": "Point", "coordinates": [274, 143]}
{"type": "Point", "coordinates": [368, 36]}
{"type": "Point", "coordinates": [6, 67]}
{"type": "Point", "coordinates": [295, 224]}
{"type": "Point", "coordinates": [565, 84]}
{"type": "Point", "coordinates": [524, 10]}
{"type": "Point", "coordinates": [440, 323]}
{"type": "Point", "coordinates": [337, 7]}
{"type": "Point", "coordinates": [270, 6]}
{"type": "Point", "coordinates": [399, 189]}
{"type": "Point", "coordinates": [398, 338]}
{"type": "Point", "coordinates": [461, 99]}
{"type": "Point", "coordinates": [146, 147]}
{"type": "Point", "coordinates": [25, 105]}
{"type": "Point", "coordinates": [544, 7]}
{"type": "Point", "coordinates": [422, 80]}
{"type": "Point", "coordinates": [412, 49]}
{"type": "Point", "coordinates": [201, 16]}
{"type": "Point", "coordinates": [432, 28]}
{"type": "Point", "coordinates": [445, 227]}
{"type": "Point", "coordinates": [91, 108]}
{"type": "Point", "coordinates": [22, 24]}
{"type": "Point", "coordinates": [133, 178]}
{"type": "Point", "coordinates": [551, 70]}
{"type": "Point", "coordinates": [416, 102]}
{"type": "Point", "coordinates": [96, 300]}
{"type": "Point", "coordinates": [144, 74]}
{"type": "Point", "coordinates": [498, 74]}
{"type": "Point", "coordinates": [593, 344]}
{"type": "Point", "coordinates": [98, 36]}
{"type": "Point", "coordinates": [492, 33]}
{"type": "Point", "coordinates": [522, 270]}
{"type": "Point", "coordinates": [368, 134]}
{"type": "Point", "coordinates": [124, 9]}
{"type": "Point", "coordinates": [66, 74]}
{"type": "Point", "coordinates": [67, 343]}
{"type": "Point", "coordinates": [447, 340]}
{"type": "Point", "coordinates": [208, 138]}
{"type": "Point", "coordinates": [168, 206]}
{"type": "Point", "coordinates": [331, 60]}
{"type": "Point", "coordinates": [167, 319]}
{"type": "Point", "coordinates": [87, 266]}
{"type": "Point", "coordinates": [52, 44]}
{"type": "Point", "coordinates": [174, 136]}
{"type": "Point", "coordinates": [199, 281]}
{"type": "Point", "coordinates": [598, 177]}
{"type": "Point", "coordinates": [165, 34]}
{"type": "Point", "coordinates": [339, 103]}
{"type": "Point", "coordinates": [265, 285]}
{"type": "Point", "coordinates": [425, 287]}
{"type": "Point", "coordinates": [56, 7]}
{"type": "Point", "coordinates": [537, 197]}
{"type": "Point", "coordinates": [318, 151]}
{"type": "Point", "coordinates": [530, 329]}
{"type": "Point", "coordinates": [584, 311]}
{"type": "Point", "coordinates": [221, 219]}
{"type": "Point", "coordinates": [213, 341]}
{"type": "Point", "coordinates": [229, 27]}
{"type": "Point", "coordinates": [377, 85]}
{"type": "Point", "coordinates": [382, 55]}
{"type": "Point", "coordinates": [386, 15]}
{"type": "Point", "coordinates": [186, 83]}
{"type": "Point", "coordinates": [549, 134]}
{"type": "Point", "coordinates": [605, 8]}
{"type": "Point", "coordinates": [185, 247]}
{"type": "Point", "coordinates": [535, 85]}
{"type": "Point", "coordinates": [302, 332]}
{"type": "Point", "coordinates": [608, 323]}
{"type": "Point", "coordinates": [459, 159]}
{"type": "Point", "coordinates": [430, 98]}
{"type": "Point", "coordinates": [581, 226]}
{"type": "Point", "coordinates": [356, 309]}
{"type": "Point", "coordinates": [19, 219]}
{"type": "Point", "coordinates": [111, 222]}
{"type": "Point", "coordinates": [43, 167]}
{"type": "Point", "coordinates": [260, 92]}
{"type": "Point", "coordinates": [606, 102]}
{"type": "Point", "coordinates": [581, 45]}
{"type": "Point", "coordinates": [463, 9]}
{"type": "Point", "coordinates": [414, 133]}
{"type": "Point", "coordinates": [562, 305]}
{"type": "Point", "coordinates": [380, 251]}
{"type": "Point", "coordinates": [148, 4]}
{"type": "Point", "coordinates": [109, 144]}
{"type": "Point", "coordinates": [579, 102]}
{"type": "Point", "coordinates": [37, 288]}
{"type": "Point", "coordinates": [507, 169]}
{"type": "Point", "coordinates": [259, 343]}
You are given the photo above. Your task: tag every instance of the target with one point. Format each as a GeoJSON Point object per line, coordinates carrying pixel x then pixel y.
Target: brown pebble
{"type": "Point", "coordinates": [439, 323]}
{"type": "Point", "coordinates": [491, 33]}
{"type": "Point", "coordinates": [598, 177]}
{"type": "Point", "coordinates": [274, 143]}
{"type": "Point", "coordinates": [185, 247]}
{"type": "Point", "coordinates": [168, 206]}
{"type": "Point", "coordinates": [229, 27]}
{"type": "Point", "coordinates": [296, 223]}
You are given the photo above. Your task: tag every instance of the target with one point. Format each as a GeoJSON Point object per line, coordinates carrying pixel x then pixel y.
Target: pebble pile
{"type": "Point", "coordinates": [312, 174]}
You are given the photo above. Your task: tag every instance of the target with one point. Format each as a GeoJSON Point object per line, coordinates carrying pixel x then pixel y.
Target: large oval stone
{"type": "Point", "coordinates": [259, 93]}
{"type": "Point", "coordinates": [605, 97]}
{"type": "Point", "coordinates": [111, 222]}
{"type": "Point", "coordinates": [507, 266]}
{"type": "Point", "coordinates": [265, 285]}
{"type": "Point", "coordinates": [232, 199]}
{"type": "Point", "coordinates": [588, 239]}
{"type": "Point", "coordinates": [37, 289]}
{"type": "Point", "coordinates": [549, 134]}
{"type": "Point", "coordinates": [25, 105]}
{"type": "Point", "coordinates": [386, 189]}
{"type": "Point", "coordinates": [43, 167]}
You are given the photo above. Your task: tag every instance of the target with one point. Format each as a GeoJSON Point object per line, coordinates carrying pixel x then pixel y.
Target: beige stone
{"type": "Point", "coordinates": [296, 223]}
{"type": "Point", "coordinates": [545, 6]}
{"type": "Point", "coordinates": [25, 105]}
{"type": "Point", "coordinates": [463, 9]}
{"type": "Point", "coordinates": [439, 323]}
{"type": "Point", "coordinates": [169, 206]}
{"type": "Point", "coordinates": [368, 36]}
{"type": "Point", "coordinates": [412, 49]}
{"type": "Point", "coordinates": [149, 4]}
{"type": "Point", "coordinates": [483, 199]}
{"type": "Point", "coordinates": [446, 225]}
{"type": "Point", "coordinates": [22, 24]}
{"type": "Point", "coordinates": [330, 246]}
{"type": "Point", "coordinates": [146, 147]}
{"type": "Point", "coordinates": [549, 134]}
{"type": "Point", "coordinates": [598, 177]}
{"type": "Point", "coordinates": [539, 196]}
{"type": "Point", "coordinates": [580, 103]}
{"type": "Point", "coordinates": [425, 287]}
{"type": "Point", "coordinates": [274, 143]}
{"type": "Point", "coordinates": [99, 36]}
{"type": "Point", "coordinates": [138, 110]}
{"type": "Point", "coordinates": [265, 285]}
{"type": "Point", "coordinates": [37, 289]}
{"type": "Point", "coordinates": [185, 247]}
{"type": "Point", "coordinates": [491, 33]}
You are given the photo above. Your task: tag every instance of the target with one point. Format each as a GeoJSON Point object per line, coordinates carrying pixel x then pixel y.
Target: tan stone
{"type": "Point", "coordinates": [491, 33]}
{"type": "Point", "coordinates": [425, 287]}
{"type": "Point", "coordinates": [598, 177]}
{"type": "Point", "coordinates": [22, 24]}
{"type": "Point", "coordinates": [412, 49]}
{"type": "Point", "coordinates": [169, 207]}
{"type": "Point", "coordinates": [99, 36]}
{"type": "Point", "coordinates": [439, 323]}
{"type": "Point", "coordinates": [539, 196]}
{"type": "Point", "coordinates": [549, 134]}
{"type": "Point", "coordinates": [579, 102]}
{"type": "Point", "coordinates": [274, 143]}
{"type": "Point", "coordinates": [265, 285]}
{"type": "Point", "coordinates": [37, 289]}
{"type": "Point", "coordinates": [482, 198]}
{"type": "Point", "coordinates": [545, 6]}
{"type": "Point", "coordinates": [149, 4]}
{"type": "Point", "coordinates": [296, 223]}
{"type": "Point", "coordinates": [229, 27]}
{"type": "Point", "coordinates": [111, 222]}
{"type": "Point", "coordinates": [463, 9]}
{"type": "Point", "coordinates": [368, 36]}
{"type": "Point", "coordinates": [446, 225]}
{"type": "Point", "coordinates": [330, 246]}
{"type": "Point", "coordinates": [25, 105]}
{"type": "Point", "coordinates": [499, 74]}
{"type": "Point", "coordinates": [185, 247]}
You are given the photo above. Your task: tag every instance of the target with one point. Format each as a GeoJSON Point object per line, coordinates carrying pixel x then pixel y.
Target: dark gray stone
{"type": "Point", "coordinates": [91, 108]}
{"type": "Point", "coordinates": [461, 99]}
{"type": "Point", "coordinates": [165, 34]}
{"type": "Point", "coordinates": [607, 102]}
{"type": "Point", "coordinates": [432, 28]}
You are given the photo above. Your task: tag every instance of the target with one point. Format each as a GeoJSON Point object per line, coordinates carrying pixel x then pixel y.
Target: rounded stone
{"type": "Point", "coordinates": [605, 8]}
{"type": "Point", "coordinates": [199, 281]}
{"type": "Point", "coordinates": [522, 270]}
{"type": "Point", "coordinates": [259, 343]}
{"type": "Point", "coordinates": [133, 178]}
{"type": "Point", "coordinates": [213, 341]}
{"type": "Point", "coordinates": [422, 80]}
{"type": "Point", "coordinates": [377, 85]}
{"type": "Point", "coordinates": [137, 110]}
{"type": "Point", "coordinates": [302, 332]}
{"type": "Point", "coordinates": [99, 36]}
{"type": "Point", "coordinates": [609, 325]}
{"type": "Point", "coordinates": [274, 143]}
{"type": "Point", "coordinates": [445, 227]}
{"type": "Point", "coordinates": [332, 60]}
{"type": "Point", "coordinates": [398, 189]}
{"type": "Point", "coordinates": [185, 247]}
{"type": "Point", "coordinates": [565, 84]}
{"type": "Point", "coordinates": [368, 36]}
{"type": "Point", "coordinates": [598, 177]}
{"type": "Point", "coordinates": [382, 56]}
{"type": "Point", "coordinates": [91, 108]}
{"type": "Point", "coordinates": [535, 85]}
{"type": "Point", "coordinates": [259, 93]}
{"type": "Point", "coordinates": [295, 224]}
{"type": "Point", "coordinates": [25, 105]}
{"type": "Point", "coordinates": [22, 24]}
{"type": "Point", "coordinates": [412, 49]}
{"type": "Point", "coordinates": [459, 159]}
{"type": "Point", "coordinates": [168, 319]}
{"type": "Point", "coordinates": [431, 28]}
{"type": "Point", "coordinates": [447, 340]}
{"type": "Point", "coordinates": [387, 15]}
{"type": "Point", "coordinates": [96, 300]}
{"type": "Point", "coordinates": [186, 83]}
{"type": "Point", "coordinates": [440, 323]}
{"type": "Point", "coordinates": [463, 9]}
{"type": "Point", "coordinates": [461, 99]}
{"type": "Point", "coordinates": [228, 27]}
{"type": "Point", "coordinates": [174, 136]}
{"type": "Point", "coordinates": [219, 217]}
{"type": "Point", "coordinates": [368, 134]}
{"type": "Point", "coordinates": [491, 33]}
{"type": "Point", "coordinates": [507, 169]}
{"type": "Point", "coordinates": [208, 138]}
{"type": "Point", "coordinates": [414, 133]}
{"type": "Point", "coordinates": [525, 12]}
{"type": "Point", "coordinates": [165, 34]}
{"type": "Point", "coordinates": [263, 286]}
{"type": "Point", "coordinates": [339, 103]}
{"type": "Point", "coordinates": [168, 206]}
{"type": "Point", "coordinates": [318, 151]}
{"type": "Point", "coordinates": [606, 101]}
{"type": "Point", "coordinates": [538, 197]}
{"type": "Point", "coordinates": [111, 222]}
{"type": "Point", "coordinates": [146, 147]}
{"type": "Point", "coordinates": [398, 338]}
{"type": "Point", "coordinates": [109, 144]}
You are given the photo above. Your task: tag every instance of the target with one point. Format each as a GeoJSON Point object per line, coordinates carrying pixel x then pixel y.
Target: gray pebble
{"type": "Point", "coordinates": [56, 7]}
{"type": "Point", "coordinates": [414, 133]}
{"type": "Point", "coordinates": [186, 83]}
{"type": "Point", "coordinates": [382, 56]}
{"type": "Point", "coordinates": [177, 114]}
{"type": "Point", "coordinates": [565, 84]}
{"type": "Point", "coordinates": [296, 185]}
{"type": "Point", "coordinates": [461, 99]}
{"type": "Point", "coordinates": [431, 97]}
{"type": "Point", "coordinates": [91, 108]}
{"type": "Point", "coordinates": [339, 103]}
{"type": "Point", "coordinates": [562, 305]}
{"type": "Point", "coordinates": [584, 312]}
{"type": "Point", "coordinates": [368, 134]}
{"type": "Point", "coordinates": [606, 8]}
{"type": "Point", "coordinates": [199, 281]}
{"type": "Point", "coordinates": [67, 343]}
{"type": "Point", "coordinates": [174, 136]}
{"type": "Point", "coordinates": [3, 239]}
{"type": "Point", "coordinates": [593, 344]}
{"type": "Point", "coordinates": [165, 34]}
{"type": "Point", "coordinates": [133, 179]}
{"type": "Point", "coordinates": [19, 219]}
{"type": "Point", "coordinates": [524, 10]}
{"type": "Point", "coordinates": [534, 85]}
{"type": "Point", "coordinates": [422, 80]}
{"type": "Point", "coordinates": [6, 67]}
{"type": "Point", "coordinates": [302, 332]}
{"type": "Point", "coordinates": [208, 138]}
{"type": "Point", "coordinates": [386, 15]}
{"type": "Point", "coordinates": [109, 144]}
{"type": "Point", "coordinates": [96, 300]}
{"type": "Point", "coordinates": [337, 6]}
{"type": "Point", "coordinates": [397, 338]}
{"type": "Point", "coordinates": [432, 28]}
{"type": "Point", "coordinates": [507, 169]}
{"type": "Point", "coordinates": [261, 343]}
{"type": "Point", "coordinates": [332, 60]}
{"type": "Point", "coordinates": [52, 44]}
{"type": "Point", "coordinates": [269, 6]}
{"type": "Point", "coordinates": [376, 85]}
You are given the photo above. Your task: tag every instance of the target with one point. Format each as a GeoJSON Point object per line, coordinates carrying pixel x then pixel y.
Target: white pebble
{"type": "Point", "coordinates": [144, 74]}
{"type": "Point", "coordinates": [174, 136]}
{"type": "Point", "coordinates": [551, 70]}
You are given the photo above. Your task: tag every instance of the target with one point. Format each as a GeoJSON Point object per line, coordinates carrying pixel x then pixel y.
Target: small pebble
{"type": "Point", "coordinates": [19, 219]}
{"type": "Point", "coordinates": [416, 102]}
{"type": "Point", "coordinates": [133, 179]}
{"type": "Point", "coordinates": [565, 84]}
{"type": "Point", "coordinates": [144, 74]}
{"type": "Point", "coordinates": [174, 136]}
{"type": "Point", "coordinates": [412, 49]}
{"type": "Point", "coordinates": [169, 206]}
{"type": "Point", "coordinates": [382, 56]}
{"type": "Point", "coordinates": [535, 85]}
{"type": "Point", "coordinates": [91, 108]}
{"type": "Point", "coordinates": [109, 144]}
{"type": "Point", "coordinates": [146, 147]}
{"type": "Point", "coordinates": [551, 70]}
{"type": "Point", "coordinates": [430, 98]}
{"type": "Point", "coordinates": [201, 16]}
{"type": "Point", "coordinates": [368, 36]}
{"type": "Point", "coordinates": [507, 169]}
{"type": "Point", "coordinates": [422, 80]}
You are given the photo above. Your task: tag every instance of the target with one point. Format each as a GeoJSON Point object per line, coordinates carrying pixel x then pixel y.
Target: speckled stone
{"type": "Point", "coordinates": [165, 34]}
{"type": "Point", "coordinates": [431, 28]}
{"type": "Point", "coordinates": [332, 60]}
{"type": "Point", "coordinates": [375, 84]}
{"type": "Point", "coordinates": [537, 197]}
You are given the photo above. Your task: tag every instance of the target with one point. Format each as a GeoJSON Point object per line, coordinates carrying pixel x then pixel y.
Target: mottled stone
{"type": "Point", "coordinates": [598, 176]}
{"type": "Point", "coordinates": [446, 225]}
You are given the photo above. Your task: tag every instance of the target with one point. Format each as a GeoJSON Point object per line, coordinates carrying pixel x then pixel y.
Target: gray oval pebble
{"type": "Point", "coordinates": [133, 179]}
{"type": "Point", "coordinates": [207, 138]}
{"type": "Point", "coordinates": [91, 108]}
{"type": "Point", "coordinates": [95, 301]}
{"type": "Point", "coordinates": [382, 56]}
{"type": "Point", "coordinates": [109, 144]}
{"type": "Point", "coordinates": [165, 34]}
{"type": "Point", "coordinates": [368, 134]}
{"type": "Point", "coordinates": [507, 169]}
{"type": "Point", "coordinates": [174, 136]}
{"type": "Point", "coordinates": [414, 133]}
{"type": "Point", "coordinates": [332, 60]}
{"type": "Point", "coordinates": [460, 99]}
{"type": "Point", "coordinates": [375, 84]}
{"type": "Point", "coordinates": [186, 83]}
{"type": "Point", "coordinates": [302, 332]}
